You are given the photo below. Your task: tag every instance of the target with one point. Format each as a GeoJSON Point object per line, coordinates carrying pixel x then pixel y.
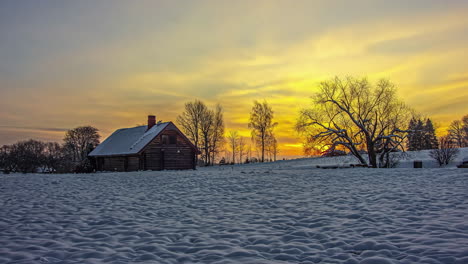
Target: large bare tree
{"type": "Point", "coordinates": [356, 115]}
{"type": "Point", "coordinates": [262, 125]}
{"type": "Point", "coordinates": [190, 120]}
{"type": "Point", "coordinates": [204, 127]}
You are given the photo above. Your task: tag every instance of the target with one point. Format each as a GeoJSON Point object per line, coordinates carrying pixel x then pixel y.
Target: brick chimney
{"type": "Point", "coordinates": [151, 121]}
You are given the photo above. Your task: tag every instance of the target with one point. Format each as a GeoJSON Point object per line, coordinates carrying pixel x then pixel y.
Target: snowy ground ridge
{"type": "Point", "coordinates": [268, 213]}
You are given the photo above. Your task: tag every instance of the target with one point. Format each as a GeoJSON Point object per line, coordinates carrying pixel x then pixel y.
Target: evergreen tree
{"type": "Point", "coordinates": [430, 139]}
{"type": "Point", "coordinates": [416, 136]}
{"type": "Point", "coordinates": [411, 126]}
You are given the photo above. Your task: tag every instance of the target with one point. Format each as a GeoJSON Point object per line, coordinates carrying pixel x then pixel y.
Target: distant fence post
{"type": "Point", "coordinates": [417, 164]}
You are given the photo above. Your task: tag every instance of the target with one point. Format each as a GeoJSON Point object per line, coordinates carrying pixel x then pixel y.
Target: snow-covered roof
{"type": "Point", "coordinates": [127, 141]}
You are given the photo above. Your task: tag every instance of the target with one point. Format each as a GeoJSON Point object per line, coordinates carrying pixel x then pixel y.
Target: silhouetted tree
{"type": "Point", "coordinates": [465, 127]}
{"type": "Point", "coordinates": [78, 143]}
{"type": "Point", "coordinates": [5, 159]}
{"type": "Point", "coordinates": [457, 133]}
{"type": "Point", "coordinates": [262, 125]}
{"type": "Point", "coordinates": [357, 115]}
{"type": "Point", "coordinates": [272, 146]}
{"type": "Point", "coordinates": [241, 148]}
{"type": "Point", "coordinates": [421, 135]}
{"type": "Point", "coordinates": [217, 135]}
{"type": "Point", "coordinates": [204, 127]}
{"type": "Point", "coordinates": [233, 141]}
{"type": "Point", "coordinates": [27, 156]}
{"type": "Point", "coordinates": [415, 135]}
{"type": "Point", "coordinates": [430, 138]}
{"type": "Point", "coordinates": [206, 130]}
{"type": "Point", "coordinates": [446, 152]}
{"type": "Point", "coordinates": [190, 120]}
{"type": "Point", "coordinates": [53, 157]}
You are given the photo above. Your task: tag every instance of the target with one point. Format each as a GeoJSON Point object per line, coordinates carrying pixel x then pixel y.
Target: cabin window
{"type": "Point", "coordinates": [165, 139]}
{"type": "Point", "coordinates": [169, 139]}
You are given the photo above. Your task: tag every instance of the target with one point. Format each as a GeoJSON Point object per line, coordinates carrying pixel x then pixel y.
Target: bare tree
{"type": "Point", "coordinates": [26, 156]}
{"type": "Point", "coordinates": [356, 115]}
{"type": "Point", "coordinates": [206, 130]}
{"type": "Point", "coordinates": [446, 152]}
{"type": "Point", "coordinates": [273, 146]}
{"type": "Point", "coordinates": [80, 141]}
{"type": "Point", "coordinates": [249, 153]}
{"type": "Point", "coordinates": [233, 140]}
{"type": "Point", "coordinates": [457, 133]}
{"type": "Point", "coordinates": [204, 127]}
{"type": "Point", "coordinates": [53, 157]}
{"type": "Point", "coordinates": [465, 127]}
{"type": "Point", "coordinates": [217, 137]}
{"type": "Point", "coordinates": [261, 123]}
{"type": "Point", "coordinates": [190, 120]}
{"type": "Point", "coordinates": [6, 159]}
{"type": "Point", "coordinates": [241, 148]}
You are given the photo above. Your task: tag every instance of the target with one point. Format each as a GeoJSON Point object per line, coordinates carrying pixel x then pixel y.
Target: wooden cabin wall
{"type": "Point", "coordinates": [177, 156]}
{"type": "Point", "coordinates": [133, 163]}
{"type": "Point", "coordinates": [121, 163]}
{"type": "Point", "coordinates": [113, 164]}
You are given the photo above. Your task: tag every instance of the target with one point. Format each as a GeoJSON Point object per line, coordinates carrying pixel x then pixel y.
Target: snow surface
{"type": "Point", "coordinates": [128, 140]}
{"type": "Point", "coordinates": [406, 160]}
{"type": "Point", "coordinates": [282, 212]}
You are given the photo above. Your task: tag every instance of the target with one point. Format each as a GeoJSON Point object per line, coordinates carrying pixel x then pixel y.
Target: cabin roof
{"type": "Point", "coordinates": [128, 141]}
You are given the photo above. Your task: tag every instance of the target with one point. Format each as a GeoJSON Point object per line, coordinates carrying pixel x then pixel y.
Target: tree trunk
{"type": "Point", "coordinates": [372, 156]}
{"type": "Point", "coordinates": [263, 148]}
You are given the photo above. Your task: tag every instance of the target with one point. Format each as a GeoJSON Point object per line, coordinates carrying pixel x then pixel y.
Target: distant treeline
{"type": "Point", "coordinates": [52, 157]}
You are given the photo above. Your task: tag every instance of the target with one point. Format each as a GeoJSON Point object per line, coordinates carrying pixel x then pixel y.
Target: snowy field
{"type": "Point", "coordinates": [283, 212]}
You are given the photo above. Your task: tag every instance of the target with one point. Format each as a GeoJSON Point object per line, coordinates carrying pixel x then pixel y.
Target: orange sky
{"type": "Point", "coordinates": [111, 63]}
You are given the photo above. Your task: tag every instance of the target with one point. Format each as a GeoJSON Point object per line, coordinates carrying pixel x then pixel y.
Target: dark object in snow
{"type": "Point", "coordinates": [417, 164]}
{"type": "Point", "coordinates": [344, 166]}
{"type": "Point", "coordinates": [223, 161]}
{"type": "Point", "coordinates": [157, 146]}
{"type": "Point", "coordinates": [464, 163]}
{"type": "Point", "coordinates": [332, 152]}
{"type": "Point", "coordinates": [360, 166]}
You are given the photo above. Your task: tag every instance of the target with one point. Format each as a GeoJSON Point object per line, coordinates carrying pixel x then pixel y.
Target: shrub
{"type": "Point", "coordinates": [445, 153]}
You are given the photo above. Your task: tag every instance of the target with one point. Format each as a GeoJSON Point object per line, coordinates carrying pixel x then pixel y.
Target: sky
{"type": "Point", "coordinates": [110, 63]}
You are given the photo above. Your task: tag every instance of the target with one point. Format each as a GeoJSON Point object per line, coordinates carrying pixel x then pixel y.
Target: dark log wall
{"type": "Point", "coordinates": [113, 163]}
{"type": "Point", "coordinates": [133, 163]}
{"type": "Point", "coordinates": [122, 163]}
{"type": "Point", "coordinates": [155, 156]}
{"type": "Point", "coordinates": [168, 156]}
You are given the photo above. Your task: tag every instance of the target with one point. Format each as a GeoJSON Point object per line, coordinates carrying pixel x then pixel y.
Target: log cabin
{"type": "Point", "coordinates": [156, 146]}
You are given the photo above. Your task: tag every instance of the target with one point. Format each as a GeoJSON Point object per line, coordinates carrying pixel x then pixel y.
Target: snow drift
{"type": "Point", "coordinates": [282, 212]}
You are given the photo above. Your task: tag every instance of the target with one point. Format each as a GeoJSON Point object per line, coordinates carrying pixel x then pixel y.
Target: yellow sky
{"type": "Point", "coordinates": [109, 64]}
